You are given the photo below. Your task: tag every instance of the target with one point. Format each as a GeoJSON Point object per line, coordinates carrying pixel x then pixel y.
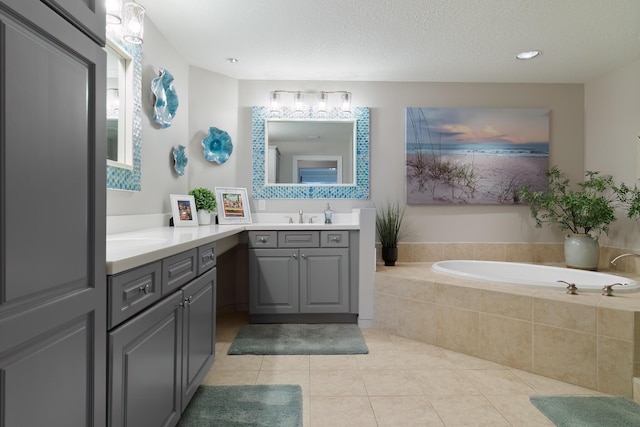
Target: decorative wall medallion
{"type": "Point", "coordinates": [217, 146]}
{"type": "Point", "coordinates": [180, 160]}
{"type": "Point", "coordinates": [164, 109]}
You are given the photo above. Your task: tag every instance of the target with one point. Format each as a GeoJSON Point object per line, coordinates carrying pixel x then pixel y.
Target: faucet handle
{"type": "Point", "coordinates": [290, 219]}
{"type": "Point", "coordinates": [311, 219]}
{"type": "Point", "coordinates": [572, 289]}
{"type": "Point", "coordinates": [608, 289]}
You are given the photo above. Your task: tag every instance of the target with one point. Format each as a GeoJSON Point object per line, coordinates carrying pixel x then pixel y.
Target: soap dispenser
{"type": "Point", "coordinates": [327, 215]}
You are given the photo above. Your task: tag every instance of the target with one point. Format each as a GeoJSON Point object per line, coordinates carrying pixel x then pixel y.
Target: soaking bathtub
{"type": "Point", "coordinates": [532, 275]}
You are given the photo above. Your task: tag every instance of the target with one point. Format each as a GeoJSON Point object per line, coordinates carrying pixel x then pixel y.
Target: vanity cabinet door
{"type": "Point", "coordinates": [273, 281]}
{"type": "Point", "coordinates": [199, 329]}
{"type": "Point", "coordinates": [145, 357]}
{"type": "Point", "coordinates": [324, 280]}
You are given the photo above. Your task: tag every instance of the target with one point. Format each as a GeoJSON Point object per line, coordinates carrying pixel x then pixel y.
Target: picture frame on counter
{"type": "Point", "coordinates": [233, 205]}
{"type": "Point", "coordinates": [184, 210]}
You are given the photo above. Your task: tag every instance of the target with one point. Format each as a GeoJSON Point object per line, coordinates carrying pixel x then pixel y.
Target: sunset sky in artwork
{"type": "Point", "coordinates": [482, 125]}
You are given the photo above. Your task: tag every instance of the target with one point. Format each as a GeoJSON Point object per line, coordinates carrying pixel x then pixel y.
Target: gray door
{"type": "Point", "coordinates": [146, 360]}
{"type": "Point", "coordinates": [324, 280]}
{"type": "Point", "coordinates": [52, 214]}
{"type": "Point", "coordinates": [199, 330]}
{"type": "Point", "coordinates": [273, 281]}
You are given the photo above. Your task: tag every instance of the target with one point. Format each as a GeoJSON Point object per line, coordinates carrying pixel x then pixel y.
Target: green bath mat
{"type": "Point", "coordinates": [299, 339]}
{"type": "Point", "coordinates": [245, 405]}
{"type": "Point", "coordinates": [588, 411]}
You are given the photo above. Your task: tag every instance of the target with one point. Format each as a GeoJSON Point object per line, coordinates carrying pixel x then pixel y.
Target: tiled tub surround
{"type": "Point", "coordinates": [586, 339]}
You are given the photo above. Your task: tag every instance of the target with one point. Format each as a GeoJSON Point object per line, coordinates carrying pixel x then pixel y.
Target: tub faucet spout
{"type": "Point", "coordinates": [613, 261]}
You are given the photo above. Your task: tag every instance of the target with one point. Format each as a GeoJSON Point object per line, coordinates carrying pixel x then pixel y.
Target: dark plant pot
{"type": "Point", "coordinates": [390, 256]}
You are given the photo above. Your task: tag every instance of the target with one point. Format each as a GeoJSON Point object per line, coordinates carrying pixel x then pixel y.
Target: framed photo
{"type": "Point", "coordinates": [233, 206]}
{"type": "Point", "coordinates": [184, 210]}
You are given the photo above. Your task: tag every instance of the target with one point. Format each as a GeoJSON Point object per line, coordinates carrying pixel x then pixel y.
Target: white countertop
{"type": "Point", "coordinates": [134, 248]}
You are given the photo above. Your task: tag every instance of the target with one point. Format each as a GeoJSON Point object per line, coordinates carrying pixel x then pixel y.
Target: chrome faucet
{"type": "Point", "coordinates": [300, 220]}
{"type": "Point", "coordinates": [613, 261]}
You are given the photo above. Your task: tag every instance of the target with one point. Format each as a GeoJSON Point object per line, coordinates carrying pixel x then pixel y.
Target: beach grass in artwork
{"type": "Point", "coordinates": [475, 155]}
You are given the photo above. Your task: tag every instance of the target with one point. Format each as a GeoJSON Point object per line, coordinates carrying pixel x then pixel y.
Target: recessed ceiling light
{"type": "Point", "coordinates": [529, 54]}
{"type": "Point", "coordinates": [232, 60]}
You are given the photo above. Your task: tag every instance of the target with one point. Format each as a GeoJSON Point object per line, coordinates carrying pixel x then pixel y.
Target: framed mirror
{"type": "Point", "coordinates": [313, 157]}
{"type": "Point", "coordinates": [124, 114]}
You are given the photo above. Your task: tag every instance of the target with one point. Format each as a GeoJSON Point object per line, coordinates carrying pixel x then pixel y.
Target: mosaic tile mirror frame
{"type": "Point", "coordinates": [120, 178]}
{"type": "Point", "coordinates": [358, 190]}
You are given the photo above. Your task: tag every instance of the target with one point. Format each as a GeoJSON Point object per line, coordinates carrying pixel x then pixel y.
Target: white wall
{"type": "Point", "coordinates": [213, 102]}
{"type": "Point", "coordinates": [612, 126]}
{"type": "Point", "coordinates": [158, 177]}
{"type": "Point", "coordinates": [387, 101]}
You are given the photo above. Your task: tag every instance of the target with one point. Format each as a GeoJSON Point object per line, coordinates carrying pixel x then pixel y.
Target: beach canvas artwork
{"type": "Point", "coordinates": [475, 155]}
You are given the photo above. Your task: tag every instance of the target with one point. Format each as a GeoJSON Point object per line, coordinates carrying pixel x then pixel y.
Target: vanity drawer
{"type": "Point", "coordinates": [298, 239]}
{"type": "Point", "coordinates": [206, 257]}
{"type": "Point", "coordinates": [178, 270]}
{"type": "Point", "coordinates": [132, 291]}
{"type": "Point", "coordinates": [263, 239]}
{"type": "Point", "coordinates": [334, 239]}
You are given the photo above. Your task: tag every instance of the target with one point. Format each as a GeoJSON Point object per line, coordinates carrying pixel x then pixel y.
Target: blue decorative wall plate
{"type": "Point", "coordinates": [180, 160]}
{"type": "Point", "coordinates": [217, 146]}
{"type": "Point", "coordinates": [166, 105]}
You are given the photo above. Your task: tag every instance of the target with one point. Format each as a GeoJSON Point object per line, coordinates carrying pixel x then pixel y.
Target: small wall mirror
{"type": "Point", "coordinates": [303, 156]}
{"type": "Point", "coordinates": [124, 113]}
{"type": "Point", "coordinates": [310, 151]}
{"type": "Point", "coordinates": [119, 106]}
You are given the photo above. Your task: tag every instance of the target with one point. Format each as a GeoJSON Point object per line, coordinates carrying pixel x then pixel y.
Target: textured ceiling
{"type": "Point", "coordinates": [403, 40]}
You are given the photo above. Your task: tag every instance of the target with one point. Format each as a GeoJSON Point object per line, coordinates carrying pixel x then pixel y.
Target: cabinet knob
{"type": "Point", "coordinates": [335, 239]}
{"type": "Point", "coordinates": [211, 256]}
{"type": "Point", "coordinates": [262, 239]}
{"type": "Point", "coordinates": [295, 256]}
{"type": "Point", "coordinates": [303, 256]}
{"type": "Point", "coordinates": [145, 288]}
{"type": "Point", "coordinates": [188, 300]}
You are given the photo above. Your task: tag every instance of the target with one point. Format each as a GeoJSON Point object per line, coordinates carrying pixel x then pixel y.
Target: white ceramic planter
{"type": "Point", "coordinates": [581, 251]}
{"type": "Point", "coordinates": [204, 217]}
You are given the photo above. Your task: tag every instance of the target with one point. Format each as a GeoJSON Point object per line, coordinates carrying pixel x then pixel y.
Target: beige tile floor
{"type": "Point", "coordinates": [400, 382]}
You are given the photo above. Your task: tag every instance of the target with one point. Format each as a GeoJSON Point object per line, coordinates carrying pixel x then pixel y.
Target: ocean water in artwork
{"type": "Point", "coordinates": [475, 155]}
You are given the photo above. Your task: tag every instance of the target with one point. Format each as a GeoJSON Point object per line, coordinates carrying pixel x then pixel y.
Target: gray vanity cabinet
{"type": "Point", "coordinates": [324, 280]}
{"type": "Point", "coordinates": [146, 367]}
{"type": "Point", "coordinates": [52, 219]}
{"type": "Point", "coordinates": [273, 281]}
{"type": "Point", "coordinates": [198, 333]}
{"type": "Point", "coordinates": [159, 355]}
{"type": "Point", "coordinates": [302, 273]}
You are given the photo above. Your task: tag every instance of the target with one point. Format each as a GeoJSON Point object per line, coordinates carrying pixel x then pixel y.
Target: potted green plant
{"type": "Point", "coordinates": [388, 228]}
{"type": "Point", "coordinates": [205, 204]}
{"type": "Point", "coordinates": [584, 210]}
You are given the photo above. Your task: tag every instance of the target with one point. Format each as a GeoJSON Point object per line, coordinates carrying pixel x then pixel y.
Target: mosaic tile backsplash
{"type": "Point", "coordinates": [359, 190]}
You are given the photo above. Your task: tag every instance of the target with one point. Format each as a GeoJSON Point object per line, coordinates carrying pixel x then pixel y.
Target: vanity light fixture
{"type": "Point", "coordinates": [320, 101]}
{"type": "Point", "coordinates": [529, 54]}
{"type": "Point", "coordinates": [133, 30]}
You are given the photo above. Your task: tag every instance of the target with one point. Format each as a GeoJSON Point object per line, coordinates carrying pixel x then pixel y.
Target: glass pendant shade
{"type": "Point", "coordinates": [298, 102]}
{"type": "Point", "coordinates": [322, 102]}
{"type": "Point", "coordinates": [114, 11]}
{"type": "Point", "coordinates": [346, 102]}
{"type": "Point", "coordinates": [274, 101]}
{"type": "Point", "coordinates": [133, 30]}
